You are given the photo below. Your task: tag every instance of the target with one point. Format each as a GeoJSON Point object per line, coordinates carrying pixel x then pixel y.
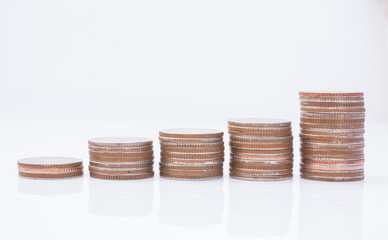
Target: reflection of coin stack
{"type": "Point", "coordinates": [191, 154]}
{"type": "Point", "coordinates": [50, 167]}
{"type": "Point", "coordinates": [121, 158]}
{"type": "Point", "coordinates": [332, 136]}
{"type": "Point", "coordinates": [261, 149]}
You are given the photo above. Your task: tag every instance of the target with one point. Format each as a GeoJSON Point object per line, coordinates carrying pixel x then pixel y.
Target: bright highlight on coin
{"type": "Point", "coordinates": [261, 149]}
{"type": "Point", "coordinates": [121, 158]}
{"type": "Point", "coordinates": [332, 136]}
{"type": "Point", "coordinates": [191, 154]}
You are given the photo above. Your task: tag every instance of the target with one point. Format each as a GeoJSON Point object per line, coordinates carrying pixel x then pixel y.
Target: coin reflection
{"type": "Point", "coordinates": [330, 210]}
{"type": "Point", "coordinates": [120, 198]}
{"type": "Point", "coordinates": [47, 187]}
{"type": "Point", "coordinates": [259, 209]}
{"type": "Point", "coordinates": [191, 203]}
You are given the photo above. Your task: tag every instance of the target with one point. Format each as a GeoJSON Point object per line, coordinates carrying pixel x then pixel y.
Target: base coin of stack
{"type": "Point", "coordinates": [191, 154]}
{"type": "Point", "coordinates": [50, 167]}
{"type": "Point", "coordinates": [121, 158]}
{"type": "Point", "coordinates": [332, 136]}
{"type": "Point", "coordinates": [261, 149]}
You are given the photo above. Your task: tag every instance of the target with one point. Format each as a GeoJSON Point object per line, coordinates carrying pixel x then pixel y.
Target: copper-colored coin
{"type": "Point", "coordinates": [333, 116]}
{"type": "Point", "coordinates": [121, 176]}
{"type": "Point", "coordinates": [261, 157]}
{"type": "Point", "coordinates": [121, 155]}
{"type": "Point", "coordinates": [208, 172]}
{"type": "Point", "coordinates": [332, 99]}
{"type": "Point", "coordinates": [190, 133]}
{"type": "Point", "coordinates": [266, 130]}
{"type": "Point", "coordinates": [50, 170]}
{"type": "Point", "coordinates": [50, 162]}
{"type": "Point", "coordinates": [190, 166]}
{"type": "Point", "coordinates": [331, 94]}
{"type": "Point", "coordinates": [194, 178]}
{"type": "Point", "coordinates": [120, 170]}
{"type": "Point", "coordinates": [332, 179]}
{"type": "Point", "coordinates": [199, 150]}
{"type": "Point", "coordinates": [264, 140]}
{"type": "Point", "coordinates": [121, 149]}
{"type": "Point", "coordinates": [332, 110]}
{"type": "Point", "coordinates": [319, 152]}
{"type": "Point", "coordinates": [120, 142]}
{"type": "Point", "coordinates": [258, 122]}
{"type": "Point", "coordinates": [259, 163]}
{"type": "Point", "coordinates": [191, 140]}
{"type": "Point", "coordinates": [331, 167]}
{"type": "Point", "coordinates": [50, 175]}
{"type": "Point", "coordinates": [261, 151]}
{"type": "Point", "coordinates": [330, 138]}
{"type": "Point", "coordinates": [243, 145]}
{"type": "Point", "coordinates": [334, 162]}
{"type": "Point", "coordinates": [260, 178]}
{"type": "Point", "coordinates": [332, 158]}
{"type": "Point", "coordinates": [332, 104]}
{"type": "Point", "coordinates": [192, 156]}
{"type": "Point", "coordinates": [331, 121]}
{"type": "Point", "coordinates": [236, 165]}
{"type": "Point", "coordinates": [260, 172]}
{"type": "Point", "coordinates": [335, 147]}
{"type": "Point", "coordinates": [332, 132]}
{"type": "Point", "coordinates": [144, 164]}
{"type": "Point", "coordinates": [339, 142]}
{"type": "Point", "coordinates": [259, 134]}
{"type": "Point", "coordinates": [194, 145]}
{"type": "Point", "coordinates": [331, 126]}
{"type": "Point", "coordinates": [121, 160]}
{"type": "Point", "coordinates": [192, 161]}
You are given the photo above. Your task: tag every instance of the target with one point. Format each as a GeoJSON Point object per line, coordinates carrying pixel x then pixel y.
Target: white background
{"type": "Point", "coordinates": [72, 70]}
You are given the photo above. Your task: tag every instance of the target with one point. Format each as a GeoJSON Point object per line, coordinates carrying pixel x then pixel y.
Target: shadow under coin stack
{"type": "Point", "coordinates": [121, 158]}
{"type": "Point", "coordinates": [191, 154]}
{"type": "Point", "coordinates": [50, 167]}
{"type": "Point", "coordinates": [261, 149]}
{"type": "Point", "coordinates": [332, 136]}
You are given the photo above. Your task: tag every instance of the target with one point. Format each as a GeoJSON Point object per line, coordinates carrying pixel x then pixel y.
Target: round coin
{"type": "Point", "coordinates": [121, 176]}
{"type": "Point", "coordinates": [50, 175]}
{"type": "Point", "coordinates": [50, 162]}
{"type": "Point", "coordinates": [120, 141]}
{"type": "Point", "coordinates": [190, 133]}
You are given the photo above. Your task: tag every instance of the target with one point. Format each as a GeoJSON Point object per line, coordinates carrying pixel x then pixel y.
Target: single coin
{"type": "Point", "coordinates": [49, 170]}
{"type": "Point", "coordinates": [143, 164]}
{"type": "Point", "coordinates": [332, 167]}
{"type": "Point", "coordinates": [193, 173]}
{"type": "Point", "coordinates": [331, 126]}
{"type": "Point", "coordinates": [121, 160]}
{"type": "Point", "coordinates": [120, 142]}
{"type": "Point", "coordinates": [259, 163]}
{"type": "Point", "coordinates": [260, 178]}
{"type": "Point", "coordinates": [243, 145]}
{"type": "Point", "coordinates": [319, 152]}
{"type": "Point", "coordinates": [190, 162]}
{"type": "Point", "coordinates": [190, 133]}
{"type": "Point", "coordinates": [191, 140]}
{"type": "Point", "coordinates": [333, 158]}
{"type": "Point", "coordinates": [194, 145]}
{"type": "Point", "coordinates": [330, 94]}
{"type": "Point", "coordinates": [190, 150]}
{"type": "Point", "coordinates": [329, 133]}
{"type": "Point", "coordinates": [332, 110]}
{"type": "Point", "coordinates": [247, 166]}
{"type": "Point", "coordinates": [260, 172]}
{"type": "Point", "coordinates": [333, 116]}
{"type": "Point", "coordinates": [330, 138]}
{"type": "Point", "coordinates": [332, 104]}
{"type": "Point", "coordinates": [258, 134]}
{"type": "Point", "coordinates": [193, 178]}
{"type": "Point", "coordinates": [336, 141]}
{"type": "Point", "coordinates": [261, 151]}
{"type": "Point", "coordinates": [259, 122]}
{"type": "Point", "coordinates": [332, 99]}
{"type": "Point", "coordinates": [121, 176]}
{"type": "Point", "coordinates": [335, 147]}
{"type": "Point", "coordinates": [332, 162]}
{"type": "Point", "coordinates": [50, 175]}
{"type": "Point", "coordinates": [267, 140]}
{"type": "Point", "coordinates": [50, 162]}
{"type": "Point", "coordinates": [121, 155]}
{"type": "Point", "coordinates": [332, 179]}
{"type": "Point", "coordinates": [331, 121]}
{"type": "Point", "coordinates": [175, 166]}
{"type": "Point", "coordinates": [120, 170]}
{"type": "Point", "coordinates": [192, 155]}
{"type": "Point", "coordinates": [260, 130]}
{"type": "Point", "coordinates": [120, 149]}
{"type": "Point", "coordinates": [261, 157]}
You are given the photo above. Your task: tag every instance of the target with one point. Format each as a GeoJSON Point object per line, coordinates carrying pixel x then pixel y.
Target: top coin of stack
{"type": "Point", "coordinates": [50, 167]}
{"type": "Point", "coordinates": [191, 153]}
{"type": "Point", "coordinates": [121, 158]}
{"type": "Point", "coordinates": [261, 149]}
{"type": "Point", "coordinates": [332, 136]}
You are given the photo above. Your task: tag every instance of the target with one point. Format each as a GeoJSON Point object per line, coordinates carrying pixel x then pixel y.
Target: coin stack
{"type": "Point", "coordinates": [191, 154]}
{"type": "Point", "coordinates": [121, 158]}
{"type": "Point", "coordinates": [50, 167]}
{"type": "Point", "coordinates": [261, 149]}
{"type": "Point", "coordinates": [332, 136]}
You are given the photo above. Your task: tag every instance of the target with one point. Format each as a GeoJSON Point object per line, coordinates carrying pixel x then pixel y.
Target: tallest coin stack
{"type": "Point", "coordinates": [332, 136]}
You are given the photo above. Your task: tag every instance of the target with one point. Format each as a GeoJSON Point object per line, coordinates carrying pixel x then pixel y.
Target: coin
{"type": "Point", "coordinates": [264, 140]}
{"type": "Point", "coordinates": [260, 145]}
{"type": "Point", "coordinates": [262, 151]}
{"type": "Point", "coordinates": [50, 162]}
{"type": "Point", "coordinates": [330, 167]}
{"type": "Point", "coordinates": [50, 175]}
{"type": "Point", "coordinates": [261, 173]}
{"type": "Point", "coordinates": [121, 154]}
{"type": "Point", "coordinates": [192, 156]}
{"type": "Point", "coordinates": [192, 161]}
{"type": "Point", "coordinates": [237, 165]}
{"type": "Point", "coordinates": [121, 176]}
{"type": "Point", "coordinates": [331, 126]}
{"type": "Point", "coordinates": [195, 145]}
{"type": "Point", "coordinates": [332, 110]}
{"type": "Point", "coordinates": [137, 164]}
{"type": "Point", "coordinates": [184, 166]}
{"type": "Point", "coordinates": [191, 140]}
{"type": "Point", "coordinates": [50, 170]}
{"type": "Point", "coordinates": [331, 94]}
{"type": "Point", "coordinates": [332, 161]}
{"type": "Point", "coordinates": [260, 178]}
{"type": "Point", "coordinates": [120, 142]}
{"type": "Point", "coordinates": [120, 170]}
{"type": "Point", "coordinates": [185, 177]}
{"type": "Point", "coordinates": [332, 104]}
{"type": "Point", "coordinates": [259, 122]}
{"type": "Point", "coordinates": [190, 133]}
{"type": "Point", "coordinates": [121, 160]}
{"type": "Point", "coordinates": [190, 150]}
{"type": "Point", "coordinates": [340, 147]}
{"type": "Point", "coordinates": [332, 179]}
{"type": "Point", "coordinates": [121, 149]}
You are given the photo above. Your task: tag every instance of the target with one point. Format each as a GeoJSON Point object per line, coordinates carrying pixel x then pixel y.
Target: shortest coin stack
{"type": "Point", "coordinates": [50, 167]}
{"type": "Point", "coordinates": [191, 154]}
{"type": "Point", "coordinates": [261, 149]}
{"type": "Point", "coordinates": [121, 158]}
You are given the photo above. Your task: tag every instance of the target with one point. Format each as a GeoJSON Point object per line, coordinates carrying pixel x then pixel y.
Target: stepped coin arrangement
{"type": "Point", "coordinates": [121, 158]}
{"type": "Point", "coordinates": [261, 149]}
{"type": "Point", "coordinates": [191, 154]}
{"type": "Point", "coordinates": [50, 167]}
{"type": "Point", "coordinates": [332, 136]}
